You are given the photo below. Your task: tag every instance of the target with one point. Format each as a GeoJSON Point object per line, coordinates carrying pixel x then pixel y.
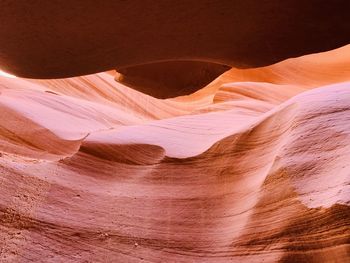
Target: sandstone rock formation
{"type": "Point", "coordinates": [64, 38]}
{"type": "Point", "coordinates": [254, 167]}
{"type": "Point", "coordinates": [170, 79]}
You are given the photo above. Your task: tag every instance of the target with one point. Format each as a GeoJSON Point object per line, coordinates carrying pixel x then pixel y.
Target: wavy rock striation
{"type": "Point", "coordinates": [252, 168]}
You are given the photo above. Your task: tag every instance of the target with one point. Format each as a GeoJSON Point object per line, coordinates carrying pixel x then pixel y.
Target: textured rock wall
{"type": "Point", "coordinates": [252, 168]}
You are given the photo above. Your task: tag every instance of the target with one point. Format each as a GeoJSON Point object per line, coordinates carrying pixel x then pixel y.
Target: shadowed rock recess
{"type": "Point", "coordinates": [64, 38]}
{"type": "Point", "coordinates": [192, 148]}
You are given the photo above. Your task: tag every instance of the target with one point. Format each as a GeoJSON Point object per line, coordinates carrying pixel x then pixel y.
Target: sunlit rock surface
{"type": "Point", "coordinates": [253, 167]}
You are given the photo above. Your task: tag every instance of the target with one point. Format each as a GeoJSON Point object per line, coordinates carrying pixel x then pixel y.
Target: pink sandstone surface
{"type": "Point", "coordinates": [254, 167]}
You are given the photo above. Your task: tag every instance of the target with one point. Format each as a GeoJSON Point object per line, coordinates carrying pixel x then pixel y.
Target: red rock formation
{"type": "Point", "coordinates": [252, 168]}
{"type": "Point", "coordinates": [64, 38]}
{"type": "Point", "coordinates": [170, 79]}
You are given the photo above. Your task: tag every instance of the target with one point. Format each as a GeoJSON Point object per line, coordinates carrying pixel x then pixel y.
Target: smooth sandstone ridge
{"type": "Point", "coordinates": [254, 167]}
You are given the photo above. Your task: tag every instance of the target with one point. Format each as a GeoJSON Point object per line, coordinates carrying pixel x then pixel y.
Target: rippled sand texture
{"type": "Point", "coordinates": [258, 171]}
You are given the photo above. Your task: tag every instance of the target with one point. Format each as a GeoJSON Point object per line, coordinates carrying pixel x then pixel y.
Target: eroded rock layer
{"type": "Point", "coordinates": [170, 79]}
{"type": "Point", "coordinates": [64, 38]}
{"type": "Point", "coordinates": [252, 168]}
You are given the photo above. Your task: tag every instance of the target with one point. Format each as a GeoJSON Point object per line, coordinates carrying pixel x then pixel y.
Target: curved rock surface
{"type": "Point", "coordinates": [252, 168]}
{"type": "Point", "coordinates": [170, 79]}
{"type": "Point", "coordinates": [64, 38]}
